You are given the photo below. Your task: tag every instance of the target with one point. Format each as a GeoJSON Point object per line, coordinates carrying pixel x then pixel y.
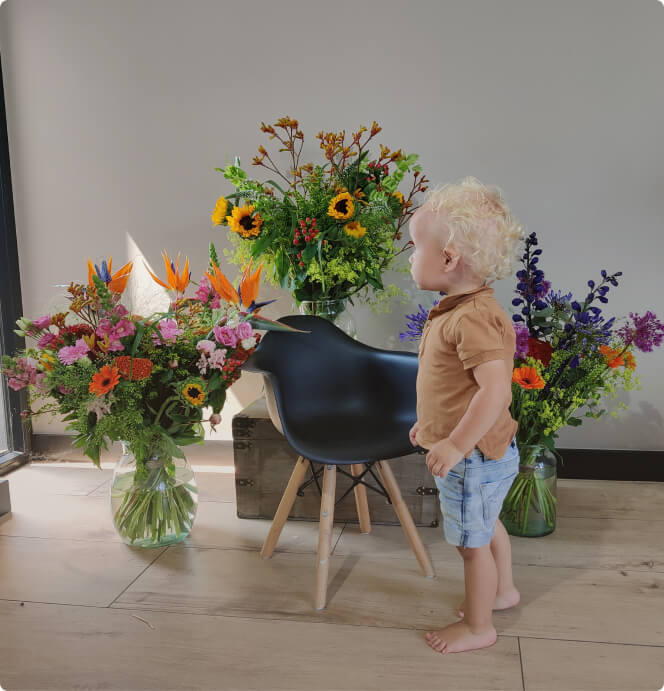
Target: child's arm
{"type": "Point", "coordinates": [485, 406]}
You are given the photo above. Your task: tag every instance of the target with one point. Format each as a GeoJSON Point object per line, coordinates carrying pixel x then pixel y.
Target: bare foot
{"type": "Point", "coordinates": [458, 637]}
{"type": "Point", "coordinates": [502, 601]}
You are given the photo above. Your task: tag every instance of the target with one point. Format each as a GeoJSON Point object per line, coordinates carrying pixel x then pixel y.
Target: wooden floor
{"type": "Point", "coordinates": [80, 609]}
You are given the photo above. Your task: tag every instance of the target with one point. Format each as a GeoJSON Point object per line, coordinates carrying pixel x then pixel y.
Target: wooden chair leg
{"type": "Point", "coordinates": [361, 501]}
{"type": "Point", "coordinates": [285, 506]}
{"type": "Point", "coordinates": [325, 533]}
{"type": "Point", "coordinates": [406, 520]}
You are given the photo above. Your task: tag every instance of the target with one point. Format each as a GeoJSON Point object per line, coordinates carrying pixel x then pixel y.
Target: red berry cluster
{"type": "Point", "coordinates": [230, 371]}
{"type": "Point", "coordinates": [308, 231]}
{"type": "Point", "coordinates": [375, 169]}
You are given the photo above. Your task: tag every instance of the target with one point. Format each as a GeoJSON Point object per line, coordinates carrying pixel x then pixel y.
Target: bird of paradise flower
{"type": "Point", "coordinates": [116, 282]}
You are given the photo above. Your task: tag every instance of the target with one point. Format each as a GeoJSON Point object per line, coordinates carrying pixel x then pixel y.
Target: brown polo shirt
{"type": "Point", "coordinates": [462, 331]}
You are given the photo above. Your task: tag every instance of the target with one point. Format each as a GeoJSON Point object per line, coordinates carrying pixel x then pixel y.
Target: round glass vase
{"type": "Point", "coordinates": [529, 509]}
{"type": "Point", "coordinates": [153, 503]}
{"type": "Point", "coordinates": [335, 311]}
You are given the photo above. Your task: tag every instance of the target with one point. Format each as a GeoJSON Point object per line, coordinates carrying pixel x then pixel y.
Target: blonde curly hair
{"type": "Point", "coordinates": [481, 226]}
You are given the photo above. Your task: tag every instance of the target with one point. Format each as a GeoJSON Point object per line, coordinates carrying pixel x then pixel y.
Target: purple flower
{"type": "Point", "coordinates": [415, 323]}
{"type": "Point", "coordinates": [225, 335]}
{"type": "Point", "coordinates": [70, 354]}
{"type": "Point", "coordinates": [645, 332]}
{"type": "Point", "coordinates": [522, 335]}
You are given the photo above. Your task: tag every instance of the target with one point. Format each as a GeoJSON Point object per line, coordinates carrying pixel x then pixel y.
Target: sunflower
{"type": "Point", "coordinates": [194, 393]}
{"type": "Point", "coordinates": [527, 378]}
{"type": "Point", "coordinates": [355, 229]}
{"type": "Point", "coordinates": [242, 221]}
{"type": "Point", "coordinates": [341, 206]}
{"type": "Point", "coordinates": [219, 211]}
{"type": "Point", "coordinates": [104, 381]}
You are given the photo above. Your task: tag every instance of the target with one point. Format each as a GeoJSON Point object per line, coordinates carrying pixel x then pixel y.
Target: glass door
{"type": "Point", "coordinates": [13, 437]}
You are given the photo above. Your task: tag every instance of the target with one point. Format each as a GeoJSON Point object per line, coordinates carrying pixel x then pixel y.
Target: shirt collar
{"type": "Point", "coordinates": [449, 302]}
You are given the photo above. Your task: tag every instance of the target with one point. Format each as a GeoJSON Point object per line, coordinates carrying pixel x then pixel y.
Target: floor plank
{"type": "Point", "coordinates": [565, 665]}
{"type": "Point", "coordinates": [83, 647]}
{"type": "Point", "coordinates": [591, 604]}
{"type": "Point", "coordinates": [607, 543]}
{"type": "Point", "coordinates": [77, 572]}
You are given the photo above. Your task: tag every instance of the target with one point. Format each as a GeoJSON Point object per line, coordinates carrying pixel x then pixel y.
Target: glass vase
{"type": "Point", "coordinates": [154, 502]}
{"type": "Point", "coordinates": [529, 509]}
{"type": "Point", "coordinates": [335, 311]}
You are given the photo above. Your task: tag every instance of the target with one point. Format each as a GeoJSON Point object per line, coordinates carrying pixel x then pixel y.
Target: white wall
{"type": "Point", "coordinates": [119, 111]}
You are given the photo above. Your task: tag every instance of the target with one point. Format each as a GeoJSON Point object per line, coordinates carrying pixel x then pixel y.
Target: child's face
{"type": "Point", "coordinates": [435, 264]}
{"type": "Point", "coordinates": [428, 269]}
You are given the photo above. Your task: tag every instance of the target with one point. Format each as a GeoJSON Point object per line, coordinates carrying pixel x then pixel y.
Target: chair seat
{"type": "Point", "coordinates": [346, 439]}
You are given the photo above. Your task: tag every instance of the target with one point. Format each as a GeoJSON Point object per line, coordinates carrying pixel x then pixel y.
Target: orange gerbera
{"type": "Point", "coordinates": [611, 356]}
{"type": "Point", "coordinates": [104, 381]}
{"type": "Point", "coordinates": [527, 378]}
{"type": "Point", "coordinates": [140, 367]}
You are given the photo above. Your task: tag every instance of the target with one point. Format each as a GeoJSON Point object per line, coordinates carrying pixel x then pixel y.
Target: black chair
{"type": "Point", "coordinates": [340, 403]}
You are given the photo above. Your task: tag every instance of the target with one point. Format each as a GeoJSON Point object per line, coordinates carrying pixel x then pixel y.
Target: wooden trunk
{"type": "Point", "coordinates": [264, 461]}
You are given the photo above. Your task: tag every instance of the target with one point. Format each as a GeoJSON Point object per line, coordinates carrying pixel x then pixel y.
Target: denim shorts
{"type": "Point", "coordinates": [472, 494]}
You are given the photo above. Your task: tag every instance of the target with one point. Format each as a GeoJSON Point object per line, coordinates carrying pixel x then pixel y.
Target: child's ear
{"type": "Point", "coordinates": [450, 258]}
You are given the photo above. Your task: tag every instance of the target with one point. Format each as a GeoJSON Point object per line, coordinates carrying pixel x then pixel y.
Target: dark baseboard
{"type": "Point", "coordinates": [612, 464]}
{"type": "Point", "coordinates": [580, 464]}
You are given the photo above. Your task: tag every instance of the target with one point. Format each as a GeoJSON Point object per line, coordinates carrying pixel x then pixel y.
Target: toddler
{"type": "Point", "coordinates": [464, 238]}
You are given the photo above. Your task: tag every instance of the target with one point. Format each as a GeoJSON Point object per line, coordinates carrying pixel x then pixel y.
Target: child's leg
{"type": "Point", "coordinates": [501, 549]}
{"type": "Point", "coordinates": [502, 554]}
{"type": "Point", "coordinates": [481, 581]}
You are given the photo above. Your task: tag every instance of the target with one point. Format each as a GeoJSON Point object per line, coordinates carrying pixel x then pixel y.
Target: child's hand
{"type": "Point", "coordinates": [412, 433]}
{"type": "Point", "coordinates": [442, 456]}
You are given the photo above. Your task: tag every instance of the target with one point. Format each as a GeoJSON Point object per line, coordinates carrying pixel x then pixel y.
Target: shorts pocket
{"type": "Point", "coordinates": [493, 494]}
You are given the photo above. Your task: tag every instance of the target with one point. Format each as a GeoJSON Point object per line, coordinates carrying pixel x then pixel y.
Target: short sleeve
{"type": "Point", "coordinates": [479, 338]}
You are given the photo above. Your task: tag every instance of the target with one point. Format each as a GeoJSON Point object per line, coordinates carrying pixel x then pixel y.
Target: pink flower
{"type": "Point", "coordinates": [217, 359]}
{"type": "Point", "coordinates": [244, 330]}
{"type": "Point", "coordinates": [43, 322]}
{"type": "Point", "coordinates": [70, 354]}
{"type": "Point", "coordinates": [124, 327]}
{"type": "Point", "coordinates": [225, 335]}
{"type": "Point", "coordinates": [16, 384]}
{"type": "Point", "coordinates": [169, 330]}
{"type": "Point", "coordinates": [65, 390]}
{"type": "Point", "coordinates": [206, 347]}
{"type": "Point", "coordinates": [120, 310]}
{"type": "Point", "coordinates": [48, 339]}
{"type": "Point", "coordinates": [215, 419]}
{"type": "Point", "coordinates": [202, 364]}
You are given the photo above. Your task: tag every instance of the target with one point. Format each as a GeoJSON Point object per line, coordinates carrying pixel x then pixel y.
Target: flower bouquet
{"type": "Point", "coordinates": [143, 381]}
{"type": "Point", "coordinates": [568, 357]}
{"type": "Point", "coordinates": [325, 232]}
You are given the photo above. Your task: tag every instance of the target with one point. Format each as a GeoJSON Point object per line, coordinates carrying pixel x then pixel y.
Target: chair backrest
{"type": "Point", "coordinates": [327, 370]}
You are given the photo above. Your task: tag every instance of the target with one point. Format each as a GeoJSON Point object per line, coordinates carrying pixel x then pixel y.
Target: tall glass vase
{"type": "Point", "coordinates": [529, 509]}
{"type": "Point", "coordinates": [335, 311]}
{"type": "Point", "coordinates": [154, 502]}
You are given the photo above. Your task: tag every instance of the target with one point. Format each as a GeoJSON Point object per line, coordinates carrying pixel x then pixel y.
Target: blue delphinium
{"type": "Point", "coordinates": [415, 322]}
{"type": "Point", "coordinates": [532, 289]}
